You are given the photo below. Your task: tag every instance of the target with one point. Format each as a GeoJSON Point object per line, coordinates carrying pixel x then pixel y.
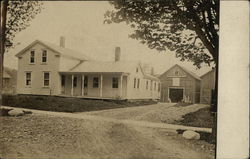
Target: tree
{"type": "Point", "coordinates": [15, 17]}
{"type": "Point", "coordinates": [188, 27]}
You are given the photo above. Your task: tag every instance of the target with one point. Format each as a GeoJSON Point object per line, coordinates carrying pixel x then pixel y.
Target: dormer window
{"type": "Point", "coordinates": [44, 56]}
{"type": "Point", "coordinates": [32, 56]}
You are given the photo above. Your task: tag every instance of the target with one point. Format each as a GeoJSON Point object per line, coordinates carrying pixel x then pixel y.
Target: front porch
{"type": "Point", "coordinates": [94, 85]}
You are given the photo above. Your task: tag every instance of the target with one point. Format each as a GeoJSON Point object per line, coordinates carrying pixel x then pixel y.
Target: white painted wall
{"type": "Point", "coordinates": [37, 69]}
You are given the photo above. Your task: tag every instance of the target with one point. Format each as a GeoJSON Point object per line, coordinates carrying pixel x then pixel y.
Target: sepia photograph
{"type": "Point", "coordinates": [109, 79]}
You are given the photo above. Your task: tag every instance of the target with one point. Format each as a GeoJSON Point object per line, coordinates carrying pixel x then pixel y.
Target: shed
{"type": "Point", "coordinates": [207, 85]}
{"type": "Point", "coordinates": [180, 85]}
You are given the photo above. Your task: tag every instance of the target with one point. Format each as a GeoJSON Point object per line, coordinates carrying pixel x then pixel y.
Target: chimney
{"type": "Point", "coordinates": [62, 41]}
{"type": "Point", "coordinates": [117, 54]}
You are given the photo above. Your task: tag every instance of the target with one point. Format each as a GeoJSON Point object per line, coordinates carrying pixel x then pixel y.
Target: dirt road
{"type": "Point", "coordinates": [44, 136]}
{"type": "Point", "coordinates": [160, 113]}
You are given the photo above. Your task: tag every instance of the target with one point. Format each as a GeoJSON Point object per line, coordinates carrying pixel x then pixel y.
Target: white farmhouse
{"type": "Point", "coordinates": [47, 69]}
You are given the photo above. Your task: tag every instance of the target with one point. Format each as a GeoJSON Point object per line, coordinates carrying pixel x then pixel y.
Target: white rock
{"type": "Point", "coordinates": [191, 135]}
{"type": "Point", "coordinates": [16, 112]}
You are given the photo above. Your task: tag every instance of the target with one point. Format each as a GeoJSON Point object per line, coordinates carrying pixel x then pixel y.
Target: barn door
{"type": "Point", "coordinates": [175, 95]}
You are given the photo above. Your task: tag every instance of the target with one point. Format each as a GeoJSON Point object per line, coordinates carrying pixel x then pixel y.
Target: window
{"type": "Point", "coordinates": [155, 86]}
{"type": "Point", "coordinates": [63, 80]}
{"type": "Point", "coordinates": [151, 85]}
{"type": "Point", "coordinates": [176, 73]}
{"type": "Point", "coordinates": [28, 78]}
{"type": "Point", "coordinates": [176, 81]}
{"type": "Point", "coordinates": [114, 82]}
{"type": "Point", "coordinates": [85, 82]}
{"type": "Point", "coordinates": [137, 70]}
{"type": "Point", "coordinates": [159, 87]}
{"type": "Point", "coordinates": [32, 57]}
{"type": "Point", "coordinates": [44, 56]}
{"type": "Point", "coordinates": [95, 82]}
{"type": "Point", "coordinates": [46, 79]}
{"type": "Point", "coordinates": [146, 84]}
{"type": "Point", "coordinates": [138, 83]}
{"type": "Point", "coordinates": [75, 82]}
{"type": "Point", "coordinates": [134, 82]}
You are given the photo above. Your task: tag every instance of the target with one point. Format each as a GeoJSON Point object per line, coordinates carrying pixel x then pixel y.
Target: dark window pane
{"type": "Point", "coordinates": [63, 80]}
{"type": "Point", "coordinates": [46, 79]}
{"type": "Point", "coordinates": [138, 83]}
{"type": "Point", "coordinates": [75, 82]}
{"type": "Point", "coordinates": [115, 82]}
{"type": "Point", "coordinates": [134, 82]}
{"type": "Point", "coordinates": [95, 82]}
{"type": "Point", "coordinates": [86, 82]}
{"type": "Point", "coordinates": [32, 56]}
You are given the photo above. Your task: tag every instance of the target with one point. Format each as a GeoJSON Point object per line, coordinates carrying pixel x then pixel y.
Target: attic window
{"type": "Point", "coordinates": [137, 70]}
{"type": "Point", "coordinates": [44, 56]}
{"type": "Point", "coordinates": [177, 73]}
{"type": "Point", "coordinates": [32, 56]}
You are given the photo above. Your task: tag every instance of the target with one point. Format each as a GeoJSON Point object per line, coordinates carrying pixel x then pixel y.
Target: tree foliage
{"type": "Point", "coordinates": [188, 27]}
{"type": "Point", "coordinates": [19, 15]}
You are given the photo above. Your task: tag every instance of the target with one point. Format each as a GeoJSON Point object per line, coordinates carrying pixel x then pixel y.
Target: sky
{"type": "Point", "coordinates": [81, 23]}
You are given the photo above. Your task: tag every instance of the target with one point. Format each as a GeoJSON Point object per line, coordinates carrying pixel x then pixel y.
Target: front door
{"type": "Point", "coordinates": [175, 95]}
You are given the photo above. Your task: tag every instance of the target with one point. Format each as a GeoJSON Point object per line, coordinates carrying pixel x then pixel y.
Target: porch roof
{"type": "Point", "coordinates": [104, 67]}
{"type": "Point", "coordinates": [121, 67]}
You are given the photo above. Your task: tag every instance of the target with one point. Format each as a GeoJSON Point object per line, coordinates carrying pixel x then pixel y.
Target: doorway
{"type": "Point", "coordinates": [176, 94]}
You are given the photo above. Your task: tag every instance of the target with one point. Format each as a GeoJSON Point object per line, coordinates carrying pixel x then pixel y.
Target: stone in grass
{"type": "Point", "coordinates": [16, 112]}
{"type": "Point", "coordinates": [188, 134]}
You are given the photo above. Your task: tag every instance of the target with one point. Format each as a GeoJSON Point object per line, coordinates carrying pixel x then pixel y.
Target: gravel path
{"type": "Point", "coordinates": [161, 112]}
{"type": "Point", "coordinates": [46, 136]}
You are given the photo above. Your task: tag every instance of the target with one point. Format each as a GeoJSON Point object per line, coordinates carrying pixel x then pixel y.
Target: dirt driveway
{"type": "Point", "coordinates": [161, 112]}
{"type": "Point", "coordinates": [48, 136]}
{"type": "Point", "coordinates": [99, 135]}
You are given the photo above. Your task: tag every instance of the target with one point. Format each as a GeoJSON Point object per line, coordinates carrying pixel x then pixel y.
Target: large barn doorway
{"type": "Point", "coordinates": [175, 95]}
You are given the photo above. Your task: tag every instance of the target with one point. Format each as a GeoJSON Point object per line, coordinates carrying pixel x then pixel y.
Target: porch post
{"type": "Point", "coordinates": [121, 86]}
{"type": "Point", "coordinates": [72, 85]}
{"type": "Point", "coordinates": [101, 86]}
{"type": "Point", "coordinates": [82, 85]}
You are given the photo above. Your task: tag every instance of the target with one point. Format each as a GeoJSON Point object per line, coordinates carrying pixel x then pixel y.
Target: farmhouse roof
{"type": "Point", "coordinates": [109, 67]}
{"type": "Point", "coordinates": [60, 50]}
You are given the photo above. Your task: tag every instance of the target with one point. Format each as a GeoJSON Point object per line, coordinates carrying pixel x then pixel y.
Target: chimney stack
{"type": "Point", "coordinates": [62, 41]}
{"type": "Point", "coordinates": [117, 54]}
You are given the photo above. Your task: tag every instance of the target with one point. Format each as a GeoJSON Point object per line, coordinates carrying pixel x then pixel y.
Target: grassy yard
{"type": "Point", "coordinates": [200, 118]}
{"type": "Point", "coordinates": [63, 104]}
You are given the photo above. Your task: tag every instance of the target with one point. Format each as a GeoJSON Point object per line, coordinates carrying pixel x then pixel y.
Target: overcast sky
{"type": "Point", "coordinates": [81, 23]}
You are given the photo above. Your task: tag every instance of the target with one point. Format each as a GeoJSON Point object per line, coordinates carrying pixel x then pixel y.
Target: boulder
{"type": "Point", "coordinates": [16, 112]}
{"type": "Point", "coordinates": [188, 134]}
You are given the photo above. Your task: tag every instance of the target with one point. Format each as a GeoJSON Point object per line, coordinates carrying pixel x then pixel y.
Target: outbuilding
{"type": "Point", "coordinates": [207, 85]}
{"type": "Point", "coordinates": [180, 85]}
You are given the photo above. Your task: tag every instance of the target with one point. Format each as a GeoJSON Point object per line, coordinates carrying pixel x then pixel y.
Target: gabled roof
{"type": "Point", "coordinates": [213, 70]}
{"type": "Point", "coordinates": [60, 50]}
{"type": "Point", "coordinates": [108, 67]}
{"type": "Point", "coordinates": [185, 70]}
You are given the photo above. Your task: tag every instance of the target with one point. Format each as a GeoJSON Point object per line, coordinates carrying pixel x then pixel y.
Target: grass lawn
{"type": "Point", "coordinates": [63, 104]}
{"type": "Point", "coordinates": [200, 118]}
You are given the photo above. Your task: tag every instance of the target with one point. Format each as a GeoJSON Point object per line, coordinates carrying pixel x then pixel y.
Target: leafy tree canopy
{"type": "Point", "coordinates": [188, 27]}
{"type": "Point", "coordinates": [19, 14]}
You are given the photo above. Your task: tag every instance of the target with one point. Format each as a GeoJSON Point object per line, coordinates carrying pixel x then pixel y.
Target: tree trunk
{"type": "Point", "coordinates": [3, 17]}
